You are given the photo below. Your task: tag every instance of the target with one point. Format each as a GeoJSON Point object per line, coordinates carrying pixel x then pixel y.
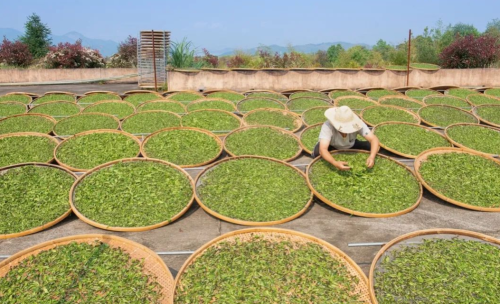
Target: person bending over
{"type": "Point", "coordinates": [340, 132]}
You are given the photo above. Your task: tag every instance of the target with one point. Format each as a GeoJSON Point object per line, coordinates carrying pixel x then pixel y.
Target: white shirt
{"type": "Point", "coordinates": [336, 140]}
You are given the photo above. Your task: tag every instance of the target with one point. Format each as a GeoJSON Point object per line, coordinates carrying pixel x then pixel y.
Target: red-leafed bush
{"type": "Point", "coordinates": [67, 55]}
{"type": "Point", "coordinates": [126, 56]}
{"type": "Point", "coordinates": [470, 52]}
{"type": "Point", "coordinates": [236, 61]}
{"type": "Point", "coordinates": [211, 60]}
{"type": "Point", "coordinates": [15, 53]}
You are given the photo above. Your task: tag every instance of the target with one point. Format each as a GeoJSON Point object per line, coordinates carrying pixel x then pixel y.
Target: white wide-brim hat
{"type": "Point", "coordinates": [343, 119]}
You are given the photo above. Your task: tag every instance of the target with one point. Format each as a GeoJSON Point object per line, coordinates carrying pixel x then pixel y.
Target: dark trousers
{"type": "Point", "coordinates": [358, 144]}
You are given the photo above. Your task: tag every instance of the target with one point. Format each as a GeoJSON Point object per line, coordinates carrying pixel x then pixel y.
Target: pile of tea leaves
{"type": "Point", "coordinates": [16, 97]}
{"type": "Point", "coordinates": [85, 122]}
{"type": "Point", "coordinates": [31, 197]}
{"type": "Point", "coordinates": [26, 148]}
{"type": "Point", "coordinates": [493, 92]}
{"type": "Point", "coordinates": [341, 93]}
{"type": "Point", "coordinates": [378, 114]}
{"type": "Point", "coordinates": [385, 188]}
{"type": "Point", "coordinates": [460, 92]}
{"type": "Point", "coordinates": [262, 141]}
{"type": "Point", "coordinates": [219, 122]}
{"type": "Point", "coordinates": [184, 97]}
{"type": "Point", "coordinates": [308, 94]}
{"type": "Point", "coordinates": [443, 116]}
{"type": "Point", "coordinates": [439, 271]}
{"type": "Point", "coordinates": [489, 113]}
{"type": "Point", "coordinates": [118, 109]}
{"type": "Point", "coordinates": [278, 118]}
{"type": "Point", "coordinates": [412, 105]}
{"type": "Point", "coordinates": [379, 93]}
{"type": "Point", "coordinates": [137, 99]}
{"type": "Point", "coordinates": [54, 97]}
{"type": "Point", "coordinates": [301, 273]}
{"type": "Point", "coordinates": [314, 115]}
{"type": "Point", "coordinates": [470, 179]}
{"type": "Point", "coordinates": [421, 93]}
{"type": "Point", "coordinates": [301, 104]}
{"type": "Point", "coordinates": [182, 147]}
{"type": "Point", "coordinates": [163, 105]}
{"type": "Point", "coordinates": [80, 273]}
{"type": "Point", "coordinates": [150, 121]}
{"type": "Point", "coordinates": [409, 139]}
{"type": "Point", "coordinates": [58, 110]}
{"type": "Point", "coordinates": [217, 104]}
{"type": "Point", "coordinates": [448, 101]}
{"type": "Point", "coordinates": [253, 189]}
{"type": "Point", "coordinates": [231, 96]}
{"type": "Point", "coordinates": [133, 194]}
{"type": "Point", "coordinates": [476, 137]}
{"type": "Point", "coordinates": [250, 104]}
{"type": "Point", "coordinates": [357, 104]}
{"type": "Point", "coordinates": [26, 123]}
{"type": "Point", "coordinates": [310, 136]}
{"type": "Point", "coordinates": [481, 99]}
{"type": "Point", "coordinates": [93, 98]}
{"type": "Point", "coordinates": [280, 97]}
{"type": "Point", "coordinates": [8, 108]}
{"type": "Point", "coordinates": [90, 150]}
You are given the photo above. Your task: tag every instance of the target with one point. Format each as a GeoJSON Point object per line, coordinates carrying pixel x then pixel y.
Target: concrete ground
{"type": "Point", "coordinates": [196, 227]}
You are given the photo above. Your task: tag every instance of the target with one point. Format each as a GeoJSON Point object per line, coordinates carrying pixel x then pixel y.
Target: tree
{"type": "Point", "coordinates": [15, 53]}
{"type": "Point", "coordinates": [334, 52]}
{"type": "Point", "coordinates": [355, 57]}
{"type": "Point", "coordinates": [454, 32]}
{"type": "Point", "coordinates": [126, 57]}
{"type": "Point", "coordinates": [383, 48]}
{"type": "Point", "coordinates": [425, 47]}
{"type": "Point", "coordinates": [399, 55]}
{"type": "Point", "coordinates": [470, 52]}
{"type": "Point", "coordinates": [493, 28]}
{"type": "Point", "coordinates": [36, 36]}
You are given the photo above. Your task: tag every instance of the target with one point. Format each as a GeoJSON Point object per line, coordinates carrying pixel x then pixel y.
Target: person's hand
{"type": "Point", "coordinates": [342, 166]}
{"type": "Point", "coordinates": [370, 161]}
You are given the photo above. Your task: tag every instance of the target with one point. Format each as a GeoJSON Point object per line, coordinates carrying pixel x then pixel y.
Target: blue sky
{"type": "Point", "coordinates": [244, 24]}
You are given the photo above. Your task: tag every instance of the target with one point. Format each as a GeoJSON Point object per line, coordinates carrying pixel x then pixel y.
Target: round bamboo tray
{"type": "Point", "coordinates": [128, 229]}
{"type": "Point", "coordinates": [148, 111]}
{"type": "Point", "coordinates": [474, 111]}
{"type": "Point", "coordinates": [215, 137]}
{"type": "Point", "coordinates": [360, 213]}
{"type": "Point", "coordinates": [485, 91]}
{"type": "Point", "coordinates": [434, 125]}
{"type": "Point", "coordinates": [396, 93]}
{"type": "Point", "coordinates": [323, 95]}
{"type": "Point", "coordinates": [310, 109]}
{"type": "Point", "coordinates": [392, 107]}
{"type": "Point", "coordinates": [404, 123]}
{"type": "Point", "coordinates": [243, 222]}
{"type": "Point", "coordinates": [291, 101]}
{"type": "Point", "coordinates": [337, 100]}
{"type": "Point", "coordinates": [56, 102]}
{"type": "Point", "coordinates": [88, 133]}
{"type": "Point", "coordinates": [422, 157]}
{"type": "Point", "coordinates": [101, 92]}
{"type": "Point", "coordinates": [330, 93]}
{"type": "Point", "coordinates": [447, 91]}
{"type": "Point", "coordinates": [442, 87]}
{"type": "Point", "coordinates": [366, 89]}
{"type": "Point", "coordinates": [58, 93]}
{"type": "Point", "coordinates": [88, 109]}
{"type": "Point", "coordinates": [208, 100]}
{"type": "Point", "coordinates": [280, 130]}
{"type": "Point", "coordinates": [291, 235]}
{"type": "Point", "coordinates": [15, 103]}
{"type": "Point", "coordinates": [281, 105]}
{"type": "Point", "coordinates": [488, 96]}
{"type": "Point", "coordinates": [23, 93]}
{"type": "Point", "coordinates": [328, 90]}
{"type": "Point", "coordinates": [169, 92]}
{"type": "Point", "coordinates": [291, 91]}
{"type": "Point", "coordinates": [31, 134]}
{"type": "Point", "coordinates": [223, 91]}
{"type": "Point", "coordinates": [86, 114]}
{"type": "Point", "coordinates": [97, 93]}
{"type": "Point", "coordinates": [423, 234]}
{"type": "Point", "coordinates": [141, 106]}
{"type": "Point", "coordinates": [153, 264]}
{"type": "Point", "coordinates": [135, 92]}
{"type": "Point", "coordinates": [50, 118]}
{"type": "Point", "coordinates": [220, 111]}
{"type": "Point", "coordinates": [436, 92]}
{"type": "Point", "coordinates": [297, 120]}
{"type": "Point", "coordinates": [424, 100]}
{"type": "Point", "coordinates": [463, 147]}
{"type": "Point", "coordinates": [261, 91]}
{"type": "Point", "coordinates": [303, 131]}
{"type": "Point", "coordinates": [404, 97]}
{"type": "Point", "coordinates": [183, 92]}
{"type": "Point", "coordinates": [39, 228]}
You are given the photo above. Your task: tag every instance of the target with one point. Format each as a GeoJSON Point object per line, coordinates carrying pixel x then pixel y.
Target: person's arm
{"type": "Point", "coordinates": [375, 146]}
{"type": "Point", "coordinates": [323, 151]}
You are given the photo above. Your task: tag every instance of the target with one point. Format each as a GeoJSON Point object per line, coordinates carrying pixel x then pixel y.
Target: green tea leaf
{"type": "Point", "coordinates": [24, 149]}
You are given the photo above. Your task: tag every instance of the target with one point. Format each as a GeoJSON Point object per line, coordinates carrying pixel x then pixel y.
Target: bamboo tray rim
{"type": "Point", "coordinates": [244, 222]}
{"type": "Point", "coordinates": [47, 224]}
{"type": "Point", "coordinates": [423, 157]}
{"type": "Point", "coordinates": [66, 166]}
{"type": "Point", "coordinates": [296, 117]}
{"type": "Point", "coordinates": [474, 111]}
{"type": "Point", "coordinates": [344, 258]}
{"type": "Point", "coordinates": [361, 213]}
{"type": "Point", "coordinates": [415, 115]}
{"type": "Point", "coordinates": [303, 131]}
{"type": "Point", "coordinates": [406, 123]}
{"type": "Point", "coordinates": [215, 137]}
{"type": "Point", "coordinates": [464, 147]}
{"type": "Point", "coordinates": [280, 130]}
{"type": "Point", "coordinates": [100, 92]}
{"type": "Point", "coordinates": [87, 114]}
{"type": "Point", "coordinates": [91, 222]}
{"type": "Point", "coordinates": [410, 235]}
{"type": "Point", "coordinates": [224, 91]}
{"type": "Point", "coordinates": [146, 253]}
{"type": "Point", "coordinates": [446, 106]}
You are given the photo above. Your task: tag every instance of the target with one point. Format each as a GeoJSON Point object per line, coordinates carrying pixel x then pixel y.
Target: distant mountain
{"type": "Point", "coordinates": [106, 47]}
{"type": "Point", "coordinates": [304, 48]}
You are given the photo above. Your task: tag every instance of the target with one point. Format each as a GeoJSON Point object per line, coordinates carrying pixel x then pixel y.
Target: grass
{"type": "Point", "coordinates": [425, 66]}
{"type": "Point", "coordinates": [115, 108]}
{"type": "Point", "coordinates": [85, 122]}
{"type": "Point", "coordinates": [231, 96]}
{"type": "Point", "coordinates": [314, 115]}
{"type": "Point", "coordinates": [149, 122]}
{"type": "Point", "coordinates": [489, 113]}
{"type": "Point", "coordinates": [211, 104]}
{"type": "Point", "coordinates": [447, 100]}
{"type": "Point", "coordinates": [26, 123]}
{"type": "Point", "coordinates": [278, 118]}
{"type": "Point", "coordinates": [378, 114]}
{"type": "Point", "coordinates": [164, 105]}
{"type": "Point", "coordinates": [309, 94]}
{"type": "Point", "coordinates": [401, 102]}
{"type": "Point", "coordinates": [139, 98]}
{"type": "Point", "coordinates": [58, 110]}
{"type": "Point", "coordinates": [480, 99]}
{"type": "Point", "coordinates": [8, 108]}
{"type": "Point", "coordinates": [16, 97]}
{"type": "Point", "coordinates": [24, 149]}
{"type": "Point", "coordinates": [54, 97]}
{"type": "Point", "coordinates": [219, 122]}
{"type": "Point", "coordinates": [421, 93]}
{"type": "Point", "coordinates": [379, 93]}
{"type": "Point", "coordinates": [443, 116]}
{"type": "Point", "coordinates": [309, 137]}
{"type": "Point", "coordinates": [250, 104]}
{"type": "Point", "coordinates": [93, 98]}
{"type": "Point", "coordinates": [356, 104]}
{"type": "Point", "coordinates": [476, 137]}
{"type": "Point", "coordinates": [341, 93]}
{"type": "Point", "coordinates": [301, 104]}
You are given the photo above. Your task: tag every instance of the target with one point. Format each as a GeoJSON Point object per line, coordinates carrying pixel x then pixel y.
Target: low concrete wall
{"type": "Point", "coordinates": [55, 75]}
{"type": "Point", "coordinates": [321, 79]}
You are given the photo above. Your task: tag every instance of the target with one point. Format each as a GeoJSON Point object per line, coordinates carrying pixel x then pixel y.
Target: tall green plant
{"type": "Point", "coordinates": [36, 36]}
{"type": "Point", "coordinates": [182, 55]}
